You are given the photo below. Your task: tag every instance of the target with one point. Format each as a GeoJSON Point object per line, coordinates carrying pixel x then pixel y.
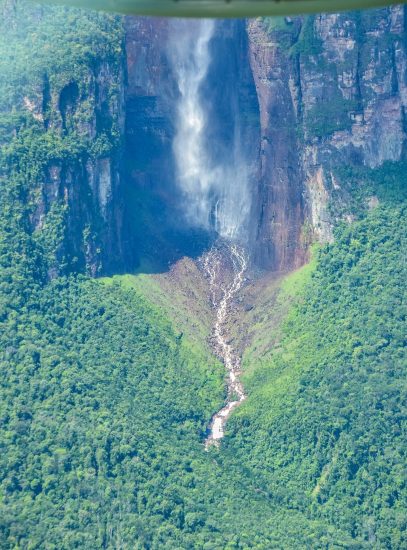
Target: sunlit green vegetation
{"type": "Point", "coordinates": [59, 45]}
{"type": "Point", "coordinates": [324, 426]}
{"type": "Point", "coordinates": [100, 400]}
{"type": "Point", "coordinates": [104, 408]}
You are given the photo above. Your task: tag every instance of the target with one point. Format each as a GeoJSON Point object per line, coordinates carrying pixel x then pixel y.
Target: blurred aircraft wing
{"type": "Point", "coordinates": [222, 8]}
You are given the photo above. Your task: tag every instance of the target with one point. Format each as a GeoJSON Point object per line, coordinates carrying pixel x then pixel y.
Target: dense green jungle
{"type": "Point", "coordinates": [108, 380]}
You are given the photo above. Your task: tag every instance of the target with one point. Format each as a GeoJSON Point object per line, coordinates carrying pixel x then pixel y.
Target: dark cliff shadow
{"type": "Point", "coordinates": [157, 235]}
{"type": "Point", "coordinates": [154, 230]}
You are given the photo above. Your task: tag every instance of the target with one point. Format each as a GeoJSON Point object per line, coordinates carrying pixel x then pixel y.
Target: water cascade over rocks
{"type": "Point", "coordinates": [215, 196]}
{"type": "Point", "coordinates": [223, 291]}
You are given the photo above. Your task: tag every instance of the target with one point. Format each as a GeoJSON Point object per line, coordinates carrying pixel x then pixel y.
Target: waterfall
{"type": "Point", "coordinates": [215, 196]}
{"type": "Point", "coordinates": [215, 193]}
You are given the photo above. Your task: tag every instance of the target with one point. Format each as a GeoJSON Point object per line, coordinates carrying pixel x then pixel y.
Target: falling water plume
{"type": "Point", "coordinates": [215, 195]}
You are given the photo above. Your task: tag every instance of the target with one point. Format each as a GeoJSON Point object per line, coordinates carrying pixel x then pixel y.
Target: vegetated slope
{"type": "Point", "coordinates": [61, 76]}
{"type": "Point", "coordinates": [324, 426]}
{"type": "Point", "coordinates": [98, 395]}
{"type": "Point", "coordinates": [103, 410]}
{"type": "Point", "coordinates": [181, 294]}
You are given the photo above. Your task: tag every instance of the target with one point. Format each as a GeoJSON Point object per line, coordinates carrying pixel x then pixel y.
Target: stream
{"type": "Point", "coordinates": [214, 268]}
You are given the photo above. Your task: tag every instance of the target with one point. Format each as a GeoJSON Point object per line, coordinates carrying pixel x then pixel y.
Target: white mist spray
{"type": "Point", "coordinates": [216, 196]}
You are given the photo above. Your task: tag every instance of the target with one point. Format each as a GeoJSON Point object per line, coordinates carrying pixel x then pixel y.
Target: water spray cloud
{"type": "Point", "coordinates": [215, 195]}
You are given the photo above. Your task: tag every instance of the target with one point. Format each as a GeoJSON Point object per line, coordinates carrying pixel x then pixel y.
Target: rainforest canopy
{"type": "Point", "coordinates": [223, 8]}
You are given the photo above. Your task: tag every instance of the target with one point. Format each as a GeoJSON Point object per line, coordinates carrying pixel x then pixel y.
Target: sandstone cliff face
{"type": "Point", "coordinates": [148, 169]}
{"type": "Point", "coordinates": [332, 91]}
{"type": "Point", "coordinates": [366, 56]}
{"type": "Point", "coordinates": [279, 213]}
{"type": "Point", "coordinates": [88, 184]}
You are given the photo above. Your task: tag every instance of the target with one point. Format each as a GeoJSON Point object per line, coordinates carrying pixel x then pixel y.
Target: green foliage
{"type": "Point", "coordinates": [308, 43]}
{"type": "Point", "coordinates": [60, 43]}
{"type": "Point", "coordinates": [104, 406]}
{"type": "Point", "coordinates": [53, 115]}
{"type": "Point", "coordinates": [103, 411]}
{"type": "Point", "coordinates": [329, 116]}
{"type": "Point", "coordinates": [359, 184]}
{"type": "Point", "coordinates": [96, 391]}
{"type": "Point", "coordinates": [324, 427]}
{"type": "Point", "coordinates": [275, 24]}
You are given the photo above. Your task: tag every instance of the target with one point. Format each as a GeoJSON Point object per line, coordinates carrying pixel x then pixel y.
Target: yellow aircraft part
{"type": "Point", "coordinates": [223, 8]}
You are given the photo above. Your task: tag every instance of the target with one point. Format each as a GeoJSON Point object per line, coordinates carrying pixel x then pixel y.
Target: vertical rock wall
{"type": "Point", "coordinates": [148, 168]}
{"type": "Point", "coordinates": [332, 91]}
{"type": "Point", "coordinates": [278, 215]}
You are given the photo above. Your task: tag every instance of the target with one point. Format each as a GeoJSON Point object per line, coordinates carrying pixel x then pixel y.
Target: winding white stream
{"type": "Point", "coordinates": [231, 359]}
